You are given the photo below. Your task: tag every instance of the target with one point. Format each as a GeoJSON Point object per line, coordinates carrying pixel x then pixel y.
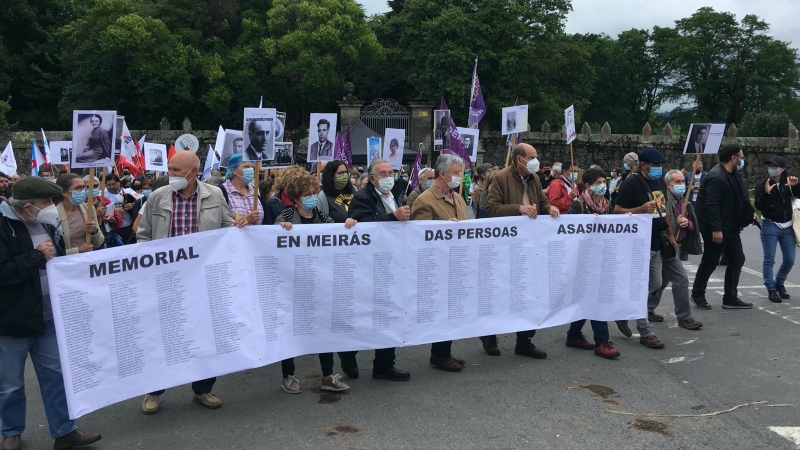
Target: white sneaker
{"type": "Point", "coordinates": [291, 385]}
{"type": "Point", "coordinates": [333, 383]}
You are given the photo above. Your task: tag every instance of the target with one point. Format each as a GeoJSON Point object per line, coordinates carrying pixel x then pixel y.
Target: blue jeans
{"type": "Point", "coordinates": [771, 235]}
{"type": "Point", "coordinates": [44, 355]}
{"type": "Point", "coordinates": [600, 330]}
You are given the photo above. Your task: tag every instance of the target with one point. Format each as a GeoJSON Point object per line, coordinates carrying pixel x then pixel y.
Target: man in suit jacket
{"type": "Point", "coordinates": [322, 150]}
{"type": "Point", "coordinates": [699, 144]}
{"type": "Point", "coordinates": [442, 202]}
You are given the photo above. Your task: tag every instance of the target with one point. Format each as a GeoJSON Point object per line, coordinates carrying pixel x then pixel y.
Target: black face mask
{"type": "Point", "coordinates": [547, 173]}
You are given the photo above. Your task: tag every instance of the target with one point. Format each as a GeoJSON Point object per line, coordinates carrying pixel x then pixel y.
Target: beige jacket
{"type": "Point", "coordinates": [97, 237]}
{"type": "Point", "coordinates": [433, 205]}
{"type": "Point", "coordinates": [212, 211]}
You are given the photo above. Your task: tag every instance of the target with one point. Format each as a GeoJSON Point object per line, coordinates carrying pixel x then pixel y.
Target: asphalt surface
{"type": "Point", "coordinates": [509, 402]}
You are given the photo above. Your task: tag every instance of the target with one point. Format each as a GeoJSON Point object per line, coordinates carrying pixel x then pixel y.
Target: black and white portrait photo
{"type": "Point", "coordinates": [393, 144]}
{"type": "Point", "coordinates": [441, 128]}
{"type": "Point", "coordinates": [61, 152]}
{"type": "Point", "coordinates": [321, 132]}
{"type": "Point", "coordinates": [155, 156]}
{"type": "Point", "coordinates": [228, 143]}
{"type": "Point", "coordinates": [93, 135]}
{"type": "Point", "coordinates": [259, 134]}
{"type": "Point", "coordinates": [469, 136]}
{"type": "Point", "coordinates": [704, 139]}
{"type": "Point", "coordinates": [280, 125]}
{"type": "Point", "coordinates": [284, 156]}
{"type": "Point", "coordinates": [515, 119]}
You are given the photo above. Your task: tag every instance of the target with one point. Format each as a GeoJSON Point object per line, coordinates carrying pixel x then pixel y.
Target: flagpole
{"type": "Point", "coordinates": [571, 160]}
{"type": "Point", "coordinates": [511, 144]}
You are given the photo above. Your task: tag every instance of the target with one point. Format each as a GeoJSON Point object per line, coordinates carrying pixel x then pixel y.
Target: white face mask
{"type": "Point", "coordinates": [385, 185]}
{"type": "Point", "coordinates": [532, 166]}
{"type": "Point", "coordinates": [178, 183]}
{"type": "Point", "coordinates": [454, 182]}
{"type": "Point", "coordinates": [47, 215]}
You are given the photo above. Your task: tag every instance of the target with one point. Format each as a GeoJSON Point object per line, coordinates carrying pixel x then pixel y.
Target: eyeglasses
{"type": "Point", "coordinates": [341, 172]}
{"type": "Point", "coordinates": [79, 189]}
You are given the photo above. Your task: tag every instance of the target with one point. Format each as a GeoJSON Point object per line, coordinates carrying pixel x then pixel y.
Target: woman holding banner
{"type": "Point", "coordinates": [75, 218]}
{"type": "Point", "coordinates": [299, 186]}
{"type": "Point", "coordinates": [592, 201]}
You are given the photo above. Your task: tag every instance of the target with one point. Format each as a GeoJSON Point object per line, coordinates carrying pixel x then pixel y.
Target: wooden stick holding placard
{"type": "Point", "coordinates": [510, 145]}
{"type": "Point", "coordinates": [90, 200]}
{"type": "Point", "coordinates": [571, 158]}
{"type": "Point", "coordinates": [255, 185]}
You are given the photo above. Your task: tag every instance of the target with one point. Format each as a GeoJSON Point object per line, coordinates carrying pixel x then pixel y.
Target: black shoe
{"type": "Point", "coordinates": [700, 302]}
{"type": "Point", "coordinates": [653, 317]}
{"type": "Point", "coordinates": [349, 365]}
{"type": "Point", "coordinates": [774, 297]}
{"type": "Point", "coordinates": [736, 303]}
{"type": "Point", "coordinates": [77, 438]}
{"type": "Point", "coordinates": [390, 374]}
{"type": "Point", "coordinates": [782, 292]}
{"type": "Point", "coordinates": [525, 347]}
{"type": "Point", "coordinates": [490, 345]}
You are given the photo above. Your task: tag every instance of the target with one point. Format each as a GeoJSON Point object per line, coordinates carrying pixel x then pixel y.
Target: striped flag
{"type": "Point", "coordinates": [46, 154]}
{"type": "Point", "coordinates": [37, 159]}
{"type": "Point", "coordinates": [211, 163]}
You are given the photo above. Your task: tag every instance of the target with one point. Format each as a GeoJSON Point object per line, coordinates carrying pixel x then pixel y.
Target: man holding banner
{"type": "Point", "coordinates": [28, 240]}
{"type": "Point", "coordinates": [188, 207]}
{"type": "Point", "coordinates": [515, 191]}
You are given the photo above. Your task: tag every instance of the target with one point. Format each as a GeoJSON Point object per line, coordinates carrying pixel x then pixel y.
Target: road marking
{"type": "Point", "coordinates": [752, 272]}
{"type": "Point", "coordinates": [687, 342]}
{"type": "Point", "coordinates": [792, 434]}
{"type": "Point", "coordinates": [791, 318]}
{"type": "Point", "coordinates": [688, 358]}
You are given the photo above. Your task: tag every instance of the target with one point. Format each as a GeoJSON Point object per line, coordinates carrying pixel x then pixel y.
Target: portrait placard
{"type": "Point", "coordinates": [469, 136]}
{"type": "Point", "coordinates": [93, 135]}
{"type": "Point", "coordinates": [284, 156]}
{"type": "Point", "coordinates": [232, 142]}
{"type": "Point", "coordinates": [569, 122]}
{"type": "Point", "coordinates": [321, 131]}
{"type": "Point", "coordinates": [259, 134]}
{"type": "Point", "coordinates": [515, 119]}
{"type": "Point", "coordinates": [280, 126]}
{"type": "Point", "coordinates": [155, 156]}
{"type": "Point", "coordinates": [373, 149]}
{"type": "Point", "coordinates": [704, 139]}
{"type": "Point", "coordinates": [393, 144]}
{"type": "Point", "coordinates": [441, 129]}
{"type": "Point", "coordinates": [61, 152]}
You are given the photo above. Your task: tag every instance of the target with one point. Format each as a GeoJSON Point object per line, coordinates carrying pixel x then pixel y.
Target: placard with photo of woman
{"type": "Point", "coordinates": [93, 135]}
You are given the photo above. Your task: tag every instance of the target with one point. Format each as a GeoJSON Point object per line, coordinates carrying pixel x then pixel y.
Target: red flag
{"type": "Point", "coordinates": [171, 151]}
{"type": "Point", "coordinates": [124, 163]}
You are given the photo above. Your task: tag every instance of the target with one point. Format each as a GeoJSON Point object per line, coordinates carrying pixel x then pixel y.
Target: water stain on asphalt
{"type": "Point", "coordinates": [651, 425]}
{"type": "Point", "coordinates": [603, 392]}
{"type": "Point", "coordinates": [326, 398]}
{"type": "Point", "coordinates": [343, 429]}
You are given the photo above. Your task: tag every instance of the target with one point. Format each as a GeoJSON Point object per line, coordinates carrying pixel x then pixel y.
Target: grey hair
{"type": "Point", "coordinates": [375, 162]}
{"type": "Point", "coordinates": [361, 179]}
{"type": "Point", "coordinates": [557, 167]}
{"type": "Point", "coordinates": [668, 175]}
{"type": "Point", "coordinates": [425, 170]}
{"type": "Point", "coordinates": [518, 150]}
{"type": "Point", "coordinates": [19, 204]}
{"type": "Point", "coordinates": [446, 160]}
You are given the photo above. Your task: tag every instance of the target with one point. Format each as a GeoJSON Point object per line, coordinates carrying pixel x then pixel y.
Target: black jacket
{"type": "Point", "coordinates": [366, 206]}
{"type": "Point", "coordinates": [716, 206]}
{"type": "Point", "coordinates": [777, 205]}
{"type": "Point", "coordinates": [21, 308]}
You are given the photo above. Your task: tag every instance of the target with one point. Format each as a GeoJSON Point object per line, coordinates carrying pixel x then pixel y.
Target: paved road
{"type": "Point", "coordinates": [509, 402]}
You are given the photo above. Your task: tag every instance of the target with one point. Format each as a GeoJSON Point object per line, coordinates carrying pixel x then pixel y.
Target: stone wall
{"type": "Point", "coordinates": [603, 148]}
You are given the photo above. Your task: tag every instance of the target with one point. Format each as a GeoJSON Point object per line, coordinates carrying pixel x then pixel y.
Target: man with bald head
{"type": "Point", "coordinates": [186, 206]}
{"type": "Point", "coordinates": [517, 191]}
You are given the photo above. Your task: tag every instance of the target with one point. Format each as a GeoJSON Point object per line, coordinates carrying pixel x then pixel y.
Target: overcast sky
{"type": "Point", "coordinates": [614, 16]}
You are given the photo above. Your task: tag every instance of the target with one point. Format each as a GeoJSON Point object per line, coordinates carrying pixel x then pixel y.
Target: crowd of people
{"type": "Point", "coordinates": [45, 217]}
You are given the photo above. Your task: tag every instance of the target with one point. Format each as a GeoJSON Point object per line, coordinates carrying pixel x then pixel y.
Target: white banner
{"type": "Point", "coordinates": [144, 317]}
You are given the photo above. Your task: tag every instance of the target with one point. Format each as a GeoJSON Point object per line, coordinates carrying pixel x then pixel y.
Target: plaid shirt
{"type": "Point", "coordinates": [184, 214]}
{"type": "Point", "coordinates": [242, 204]}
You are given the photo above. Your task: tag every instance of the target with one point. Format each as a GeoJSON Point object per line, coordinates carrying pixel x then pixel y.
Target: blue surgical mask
{"type": "Point", "coordinates": [679, 189]}
{"type": "Point", "coordinates": [655, 172]}
{"type": "Point", "coordinates": [78, 197]}
{"type": "Point", "coordinates": [573, 176]}
{"type": "Point", "coordinates": [405, 178]}
{"type": "Point", "coordinates": [740, 166]}
{"type": "Point", "coordinates": [96, 192]}
{"type": "Point", "coordinates": [627, 167]}
{"type": "Point", "coordinates": [309, 202]}
{"type": "Point", "coordinates": [146, 192]}
{"type": "Point", "coordinates": [248, 174]}
{"type": "Point", "coordinates": [428, 184]}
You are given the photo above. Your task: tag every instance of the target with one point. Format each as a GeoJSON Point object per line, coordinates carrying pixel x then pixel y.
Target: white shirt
{"type": "Point", "coordinates": [387, 200]}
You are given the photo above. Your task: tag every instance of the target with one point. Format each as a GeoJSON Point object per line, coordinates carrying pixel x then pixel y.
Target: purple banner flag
{"type": "Point", "coordinates": [417, 167]}
{"type": "Point", "coordinates": [477, 109]}
{"type": "Point", "coordinates": [347, 150]}
{"type": "Point", "coordinates": [456, 146]}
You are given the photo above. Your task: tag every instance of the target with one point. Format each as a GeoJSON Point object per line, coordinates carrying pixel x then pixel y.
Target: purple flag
{"type": "Point", "coordinates": [456, 146]}
{"type": "Point", "coordinates": [417, 167]}
{"type": "Point", "coordinates": [477, 109]}
{"type": "Point", "coordinates": [347, 150]}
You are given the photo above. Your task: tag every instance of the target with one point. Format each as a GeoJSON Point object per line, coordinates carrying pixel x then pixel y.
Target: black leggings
{"type": "Point", "coordinates": [325, 360]}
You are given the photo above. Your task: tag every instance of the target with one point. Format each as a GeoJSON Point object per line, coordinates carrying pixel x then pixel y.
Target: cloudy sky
{"type": "Point", "coordinates": [614, 16]}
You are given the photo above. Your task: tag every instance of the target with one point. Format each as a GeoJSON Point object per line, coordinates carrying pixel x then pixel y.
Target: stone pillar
{"type": "Point", "coordinates": [349, 114]}
{"type": "Point", "coordinates": [420, 129]}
